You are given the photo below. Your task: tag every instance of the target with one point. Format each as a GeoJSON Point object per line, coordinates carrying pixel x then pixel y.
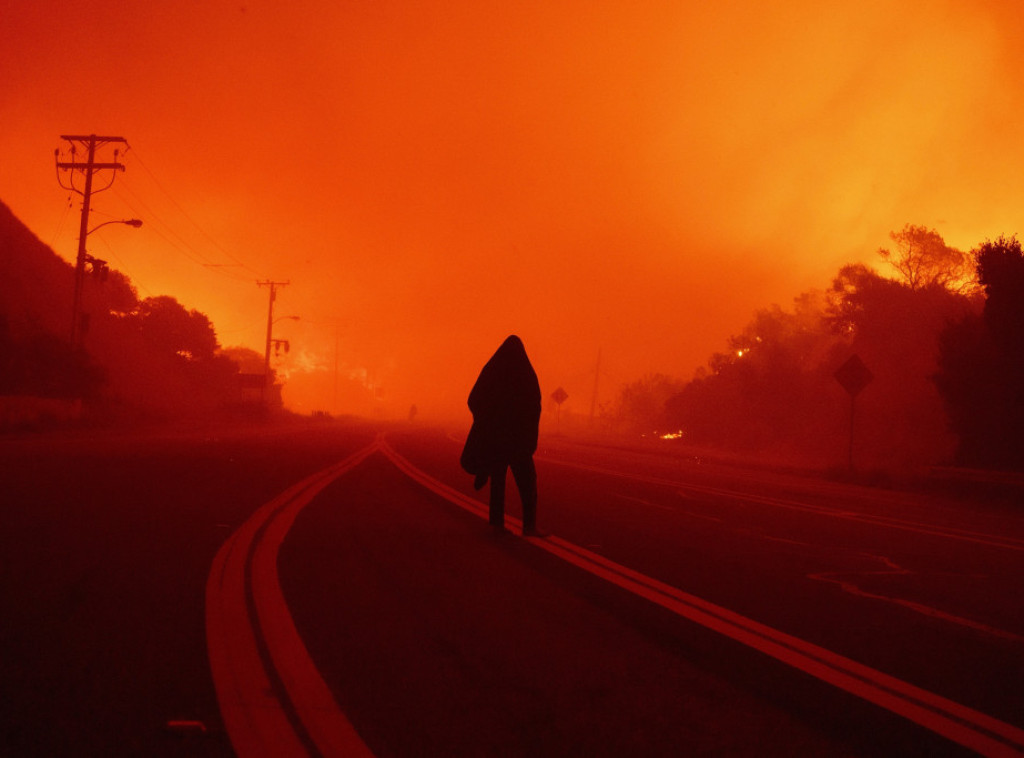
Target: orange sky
{"type": "Point", "coordinates": [635, 178]}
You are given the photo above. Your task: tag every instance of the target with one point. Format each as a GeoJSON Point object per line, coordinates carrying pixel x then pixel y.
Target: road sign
{"type": "Point", "coordinates": [854, 375]}
{"type": "Point", "coordinates": [559, 396]}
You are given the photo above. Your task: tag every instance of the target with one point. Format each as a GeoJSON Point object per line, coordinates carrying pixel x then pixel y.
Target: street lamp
{"type": "Point", "coordinates": [270, 334]}
{"type": "Point", "coordinates": [80, 262]}
{"type": "Point", "coordinates": [127, 221]}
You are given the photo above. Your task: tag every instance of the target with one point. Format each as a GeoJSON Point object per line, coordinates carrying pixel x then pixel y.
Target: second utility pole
{"type": "Point", "coordinates": [270, 329]}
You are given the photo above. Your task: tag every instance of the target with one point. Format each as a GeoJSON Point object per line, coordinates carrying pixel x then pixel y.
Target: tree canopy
{"type": "Point", "coordinates": [981, 363]}
{"type": "Point", "coordinates": [774, 390]}
{"type": "Point", "coordinates": [922, 259]}
{"type": "Point", "coordinates": [165, 323]}
{"type": "Point", "coordinates": [152, 358]}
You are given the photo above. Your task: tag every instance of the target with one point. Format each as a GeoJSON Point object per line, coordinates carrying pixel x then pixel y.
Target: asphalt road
{"type": "Point", "coordinates": [106, 544]}
{"type": "Point", "coordinates": [437, 637]}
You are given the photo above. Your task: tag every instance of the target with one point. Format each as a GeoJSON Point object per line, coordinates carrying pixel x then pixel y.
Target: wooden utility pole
{"type": "Point", "coordinates": [334, 408]}
{"type": "Point", "coordinates": [88, 169]}
{"type": "Point", "coordinates": [593, 397]}
{"type": "Point", "coordinates": [270, 332]}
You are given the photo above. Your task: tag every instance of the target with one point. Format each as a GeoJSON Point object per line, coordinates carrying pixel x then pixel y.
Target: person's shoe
{"type": "Point", "coordinates": [479, 481]}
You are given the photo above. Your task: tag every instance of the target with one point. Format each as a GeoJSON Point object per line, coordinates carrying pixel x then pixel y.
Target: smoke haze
{"type": "Point", "coordinates": [431, 177]}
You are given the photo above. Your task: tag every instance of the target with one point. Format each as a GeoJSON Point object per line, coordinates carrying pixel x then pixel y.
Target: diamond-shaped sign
{"type": "Point", "coordinates": [854, 375]}
{"type": "Point", "coordinates": [559, 396]}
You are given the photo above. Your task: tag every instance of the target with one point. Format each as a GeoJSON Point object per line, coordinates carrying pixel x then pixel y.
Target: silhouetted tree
{"type": "Point", "coordinates": [922, 259]}
{"type": "Point", "coordinates": [167, 325]}
{"type": "Point", "coordinates": [968, 381]}
{"type": "Point", "coordinates": [895, 330]}
{"type": "Point", "coordinates": [1001, 274]}
{"type": "Point", "coordinates": [43, 365]}
{"type": "Point", "coordinates": [248, 360]}
{"type": "Point", "coordinates": [641, 405]}
{"type": "Point", "coordinates": [774, 389]}
{"type": "Point", "coordinates": [153, 358]}
{"type": "Point", "coordinates": [981, 363]}
{"type": "Point", "coordinates": [767, 387]}
{"type": "Point", "coordinates": [117, 295]}
{"type": "Point", "coordinates": [163, 361]}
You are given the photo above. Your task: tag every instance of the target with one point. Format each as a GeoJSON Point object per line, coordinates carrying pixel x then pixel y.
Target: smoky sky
{"type": "Point", "coordinates": [629, 179]}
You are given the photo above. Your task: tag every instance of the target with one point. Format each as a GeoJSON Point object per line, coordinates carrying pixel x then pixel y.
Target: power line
{"type": "Point", "coordinates": [231, 256]}
{"type": "Point", "coordinates": [124, 269]}
{"type": "Point", "coordinates": [178, 243]}
{"type": "Point", "coordinates": [60, 223]}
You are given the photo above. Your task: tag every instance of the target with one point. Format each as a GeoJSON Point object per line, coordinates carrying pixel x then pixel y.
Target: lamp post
{"type": "Point", "coordinates": [81, 260]}
{"type": "Point", "coordinates": [126, 221]}
{"type": "Point", "coordinates": [270, 338]}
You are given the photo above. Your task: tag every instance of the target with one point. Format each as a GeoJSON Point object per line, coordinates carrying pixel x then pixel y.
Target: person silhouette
{"type": "Point", "coordinates": [505, 403]}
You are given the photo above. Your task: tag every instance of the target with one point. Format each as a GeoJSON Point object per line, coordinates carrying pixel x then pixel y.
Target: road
{"type": "Point", "coordinates": [676, 607]}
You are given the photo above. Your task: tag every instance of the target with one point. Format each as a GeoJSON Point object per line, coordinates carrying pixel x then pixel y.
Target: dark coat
{"type": "Point", "coordinates": [505, 403]}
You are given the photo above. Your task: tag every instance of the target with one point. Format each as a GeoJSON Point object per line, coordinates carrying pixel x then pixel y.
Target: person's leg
{"type": "Point", "coordinates": [525, 474]}
{"type": "Point", "coordinates": [496, 501]}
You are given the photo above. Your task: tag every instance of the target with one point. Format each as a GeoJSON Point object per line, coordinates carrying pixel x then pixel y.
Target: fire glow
{"type": "Point", "coordinates": [435, 177]}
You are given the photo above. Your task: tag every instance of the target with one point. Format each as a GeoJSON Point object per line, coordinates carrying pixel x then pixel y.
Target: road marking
{"type": "Point", "coordinates": [272, 698]}
{"type": "Point", "coordinates": [697, 515]}
{"type": "Point", "coordinates": [965, 726]}
{"type": "Point", "coordinates": [993, 540]}
{"type": "Point", "coordinates": [894, 569]}
{"type": "Point", "coordinates": [645, 502]}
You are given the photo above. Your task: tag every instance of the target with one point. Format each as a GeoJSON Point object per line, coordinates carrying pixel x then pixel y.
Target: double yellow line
{"type": "Point", "coordinates": [275, 703]}
{"type": "Point", "coordinates": [272, 698]}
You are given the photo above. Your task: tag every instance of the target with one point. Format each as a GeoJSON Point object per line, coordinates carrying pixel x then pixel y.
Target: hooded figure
{"type": "Point", "coordinates": [505, 403]}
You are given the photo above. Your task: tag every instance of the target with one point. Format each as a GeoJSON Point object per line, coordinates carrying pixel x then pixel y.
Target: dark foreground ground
{"type": "Point", "coordinates": [439, 639]}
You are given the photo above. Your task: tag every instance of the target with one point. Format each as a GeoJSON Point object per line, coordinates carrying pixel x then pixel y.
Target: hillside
{"type": "Point", "coordinates": [149, 359]}
{"type": "Point", "coordinates": [35, 283]}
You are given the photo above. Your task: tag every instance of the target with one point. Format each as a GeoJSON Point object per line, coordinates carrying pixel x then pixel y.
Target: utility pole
{"type": "Point", "coordinates": [270, 329]}
{"type": "Point", "coordinates": [88, 169]}
{"type": "Point", "coordinates": [593, 397]}
{"type": "Point", "coordinates": [335, 406]}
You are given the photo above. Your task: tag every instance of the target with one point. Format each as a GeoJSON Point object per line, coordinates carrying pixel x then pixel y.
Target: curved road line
{"type": "Point", "coordinates": [965, 726]}
{"type": "Point", "coordinates": [272, 698]}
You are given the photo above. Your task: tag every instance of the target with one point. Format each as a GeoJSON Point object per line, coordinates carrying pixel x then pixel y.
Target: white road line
{"type": "Point", "coordinates": [645, 502]}
{"type": "Point", "coordinates": [842, 580]}
{"type": "Point", "coordinates": [255, 712]}
{"type": "Point", "coordinates": [965, 726]}
{"type": "Point", "coordinates": [992, 540]}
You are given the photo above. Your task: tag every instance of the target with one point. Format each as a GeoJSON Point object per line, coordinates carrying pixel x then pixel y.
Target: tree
{"type": "Point", "coordinates": [44, 365]}
{"type": "Point", "coordinates": [168, 326]}
{"type": "Point", "coordinates": [1001, 274]}
{"type": "Point", "coordinates": [766, 388]}
{"type": "Point", "coordinates": [922, 259]}
{"type": "Point", "coordinates": [118, 294]}
{"type": "Point", "coordinates": [248, 360]}
{"type": "Point", "coordinates": [641, 404]}
{"type": "Point", "coordinates": [162, 362]}
{"type": "Point", "coordinates": [967, 380]}
{"type": "Point", "coordinates": [981, 363]}
{"type": "Point", "coordinates": [853, 289]}
{"type": "Point", "coordinates": [773, 390]}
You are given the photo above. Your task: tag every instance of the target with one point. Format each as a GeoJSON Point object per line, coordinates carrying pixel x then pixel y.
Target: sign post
{"type": "Point", "coordinates": [854, 376]}
{"type": "Point", "coordinates": [559, 396]}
